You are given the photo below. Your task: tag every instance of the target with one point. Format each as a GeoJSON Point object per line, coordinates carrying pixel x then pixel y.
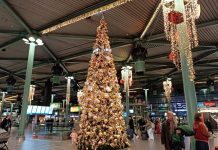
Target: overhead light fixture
{"type": "Point", "coordinates": [69, 77]}
{"type": "Point", "coordinates": [25, 40]}
{"type": "Point", "coordinates": [32, 39]}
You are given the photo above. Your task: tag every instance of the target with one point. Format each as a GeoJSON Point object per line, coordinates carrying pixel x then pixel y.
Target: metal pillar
{"type": "Point", "coordinates": [127, 98]}
{"type": "Point", "coordinates": [12, 106]}
{"type": "Point", "coordinates": [127, 71]}
{"type": "Point", "coordinates": [26, 91]}
{"type": "Point", "coordinates": [189, 88]}
{"type": "Point", "coordinates": [68, 97]}
{"type": "Point", "coordinates": [3, 100]}
{"type": "Point", "coordinates": [64, 110]}
{"type": "Point", "coordinates": [52, 98]}
{"type": "Point", "coordinates": [146, 102]}
{"type": "Point", "coordinates": [146, 97]}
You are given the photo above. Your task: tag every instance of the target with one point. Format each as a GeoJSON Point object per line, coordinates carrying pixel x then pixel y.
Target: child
{"type": "Point", "coordinates": [74, 136]}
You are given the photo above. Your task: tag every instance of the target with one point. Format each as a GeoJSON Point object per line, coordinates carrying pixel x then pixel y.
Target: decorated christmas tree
{"type": "Point", "coordinates": [102, 125]}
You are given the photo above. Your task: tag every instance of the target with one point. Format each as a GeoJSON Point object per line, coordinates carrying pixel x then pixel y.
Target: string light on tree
{"type": "Point", "coordinates": [102, 125]}
{"type": "Point", "coordinates": [171, 19]}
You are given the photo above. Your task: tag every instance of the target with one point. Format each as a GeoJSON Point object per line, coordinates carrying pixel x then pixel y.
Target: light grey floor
{"type": "Point", "coordinates": [55, 144]}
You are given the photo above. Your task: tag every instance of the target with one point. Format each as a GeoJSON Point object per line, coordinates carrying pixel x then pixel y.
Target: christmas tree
{"type": "Point", "coordinates": [102, 125]}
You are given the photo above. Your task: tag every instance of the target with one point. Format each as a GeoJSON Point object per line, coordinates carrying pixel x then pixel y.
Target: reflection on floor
{"type": "Point", "coordinates": [54, 144]}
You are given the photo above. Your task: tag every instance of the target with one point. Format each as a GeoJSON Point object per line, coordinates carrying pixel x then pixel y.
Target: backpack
{"type": "Point", "coordinates": [178, 142]}
{"type": "Point", "coordinates": [186, 130]}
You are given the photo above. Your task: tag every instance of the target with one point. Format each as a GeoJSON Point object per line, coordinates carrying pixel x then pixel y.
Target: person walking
{"type": "Point", "coordinates": [150, 129]}
{"type": "Point", "coordinates": [157, 126]}
{"type": "Point", "coordinates": [167, 130]}
{"type": "Point", "coordinates": [209, 126]}
{"type": "Point", "coordinates": [201, 133]}
{"type": "Point", "coordinates": [131, 125]}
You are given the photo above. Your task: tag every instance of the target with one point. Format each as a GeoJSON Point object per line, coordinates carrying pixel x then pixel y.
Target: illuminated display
{"type": "Point", "coordinates": [75, 109]}
{"type": "Point", "coordinates": [43, 110]}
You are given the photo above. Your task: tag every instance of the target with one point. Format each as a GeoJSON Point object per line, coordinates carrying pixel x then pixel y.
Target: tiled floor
{"type": "Point", "coordinates": [54, 144]}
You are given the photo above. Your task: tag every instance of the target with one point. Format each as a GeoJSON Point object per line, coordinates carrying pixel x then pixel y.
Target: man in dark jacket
{"type": "Point", "coordinates": [167, 131]}
{"type": "Point", "coordinates": [131, 125]}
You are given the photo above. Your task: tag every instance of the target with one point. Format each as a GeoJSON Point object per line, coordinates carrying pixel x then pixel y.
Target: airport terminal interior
{"type": "Point", "coordinates": [108, 74]}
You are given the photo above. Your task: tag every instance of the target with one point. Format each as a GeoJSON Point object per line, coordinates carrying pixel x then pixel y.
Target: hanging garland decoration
{"type": "Point", "coordinates": [126, 71]}
{"type": "Point", "coordinates": [86, 15]}
{"type": "Point", "coordinates": [171, 19]}
{"type": "Point", "coordinates": [167, 86]}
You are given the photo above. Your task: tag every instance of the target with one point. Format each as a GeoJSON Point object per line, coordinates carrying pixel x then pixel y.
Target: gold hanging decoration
{"type": "Point", "coordinates": [85, 15]}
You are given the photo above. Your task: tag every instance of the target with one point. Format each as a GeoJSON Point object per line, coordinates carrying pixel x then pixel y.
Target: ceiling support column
{"type": "Point", "coordinates": [189, 87]}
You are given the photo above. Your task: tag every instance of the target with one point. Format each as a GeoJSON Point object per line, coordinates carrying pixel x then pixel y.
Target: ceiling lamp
{"type": "Point", "coordinates": [210, 84]}
{"type": "Point", "coordinates": [57, 72]}
{"type": "Point", "coordinates": [10, 83]}
{"type": "Point", "coordinates": [139, 54]}
{"type": "Point", "coordinates": [32, 39]}
{"type": "Point", "coordinates": [171, 19]}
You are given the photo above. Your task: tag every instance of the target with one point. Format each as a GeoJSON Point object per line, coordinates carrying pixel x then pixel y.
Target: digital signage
{"type": "Point", "coordinates": [40, 110]}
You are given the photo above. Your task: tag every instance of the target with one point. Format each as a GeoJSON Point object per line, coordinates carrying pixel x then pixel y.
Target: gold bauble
{"type": "Point", "coordinates": [105, 120]}
{"type": "Point", "coordinates": [96, 109]}
{"type": "Point", "coordinates": [100, 134]}
{"type": "Point", "coordinates": [95, 117]}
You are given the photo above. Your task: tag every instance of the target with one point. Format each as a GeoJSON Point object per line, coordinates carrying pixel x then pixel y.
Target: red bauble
{"type": "Point", "coordinates": [172, 56]}
{"type": "Point", "coordinates": [121, 81]}
{"type": "Point", "coordinates": [175, 17]}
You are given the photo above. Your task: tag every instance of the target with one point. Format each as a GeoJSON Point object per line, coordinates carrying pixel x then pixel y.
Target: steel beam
{"type": "Point", "coordinates": [165, 54]}
{"type": "Point", "coordinates": [199, 26]}
{"type": "Point", "coordinates": [207, 65]}
{"type": "Point", "coordinates": [208, 61]}
{"type": "Point", "coordinates": [9, 72]}
{"type": "Point", "coordinates": [85, 37]}
{"type": "Point", "coordinates": [29, 30]}
{"type": "Point", "coordinates": [76, 14]}
{"type": "Point", "coordinates": [203, 55]}
{"type": "Point", "coordinates": [48, 50]}
{"type": "Point", "coordinates": [23, 59]}
{"type": "Point", "coordinates": [12, 32]}
{"type": "Point", "coordinates": [159, 68]}
{"type": "Point", "coordinates": [34, 67]}
{"type": "Point", "coordinates": [9, 43]}
{"type": "Point", "coordinates": [89, 51]}
{"type": "Point", "coordinates": [16, 15]}
{"type": "Point", "coordinates": [156, 12]}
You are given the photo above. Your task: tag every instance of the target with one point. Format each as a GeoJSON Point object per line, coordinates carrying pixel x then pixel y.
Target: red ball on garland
{"type": "Point", "coordinates": [172, 56]}
{"type": "Point", "coordinates": [121, 81]}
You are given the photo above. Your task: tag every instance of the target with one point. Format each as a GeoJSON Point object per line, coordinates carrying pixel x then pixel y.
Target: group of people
{"type": "Point", "coordinates": [145, 128]}
{"type": "Point", "coordinates": [172, 136]}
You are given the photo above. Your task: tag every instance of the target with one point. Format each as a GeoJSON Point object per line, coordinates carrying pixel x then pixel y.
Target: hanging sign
{"type": "Point", "coordinates": [210, 104]}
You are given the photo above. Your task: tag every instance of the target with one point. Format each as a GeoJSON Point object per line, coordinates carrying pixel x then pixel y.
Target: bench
{"type": "Point", "coordinates": [3, 140]}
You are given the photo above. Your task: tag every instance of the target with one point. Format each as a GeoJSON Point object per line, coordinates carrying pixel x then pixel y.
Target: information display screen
{"type": "Point", "coordinates": [41, 110]}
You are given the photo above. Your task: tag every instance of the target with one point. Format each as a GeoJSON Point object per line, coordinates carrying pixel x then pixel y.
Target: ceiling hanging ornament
{"type": "Point", "coordinates": [167, 86]}
{"type": "Point", "coordinates": [171, 19]}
